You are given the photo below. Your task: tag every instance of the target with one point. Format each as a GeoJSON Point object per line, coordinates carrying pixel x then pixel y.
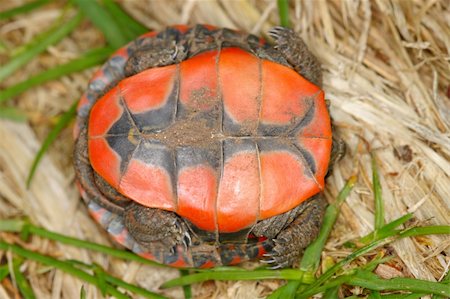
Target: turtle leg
{"type": "Point", "coordinates": [294, 235]}
{"type": "Point", "coordinates": [164, 49]}
{"type": "Point", "coordinates": [294, 49]}
{"type": "Point", "coordinates": [152, 227]}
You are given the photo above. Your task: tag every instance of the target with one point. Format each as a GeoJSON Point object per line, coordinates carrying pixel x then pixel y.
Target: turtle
{"type": "Point", "coordinates": [198, 146]}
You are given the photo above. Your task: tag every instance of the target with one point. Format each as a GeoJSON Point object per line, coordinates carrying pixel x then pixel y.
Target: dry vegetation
{"type": "Point", "coordinates": [387, 74]}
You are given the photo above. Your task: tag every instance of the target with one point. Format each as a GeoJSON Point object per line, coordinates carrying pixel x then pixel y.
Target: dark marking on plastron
{"type": "Point", "coordinates": [123, 147]}
{"type": "Point", "coordinates": [122, 127]}
{"type": "Point", "coordinates": [300, 123]}
{"type": "Point", "coordinates": [158, 119]}
{"type": "Point", "coordinates": [245, 128]}
{"type": "Point", "coordinates": [309, 159]}
{"type": "Point", "coordinates": [192, 156]}
{"type": "Point", "coordinates": [155, 153]}
{"type": "Point", "coordinates": [232, 146]}
{"type": "Point", "coordinates": [273, 130]}
{"type": "Point", "coordinates": [272, 144]}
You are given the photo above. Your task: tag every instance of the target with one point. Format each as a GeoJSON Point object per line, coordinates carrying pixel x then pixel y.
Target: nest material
{"type": "Point", "coordinates": [386, 72]}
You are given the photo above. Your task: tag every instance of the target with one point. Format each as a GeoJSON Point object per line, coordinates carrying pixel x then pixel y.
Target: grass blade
{"type": "Point", "coordinates": [445, 280]}
{"type": "Point", "coordinates": [63, 121]}
{"type": "Point", "coordinates": [426, 230]}
{"type": "Point", "coordinates": [20, 226]}
{"type": "Point", "coordinates": [4, 271]}
{"type": "Point", "coordinates": [53, 36]}
{"type": "Point", "coordinates": [290, 274]}
{"type": "Point", "coordinates": [283, 11]}
{"type": "Point", "coordinates": [311, 258]}
{"type": "Point", "coordinates": [22, 9]}
{"type": "Point", "coordinates": [61, 265]}
{"type": "Point", "coordinates": [187, 290]}
{"type": "Point", "coordinates": [371, 281]}
{"type": "Point", "coordinates": [331, 293]}
{"type": "Point", "coordinates": [86, 61]}
{"type": "Point", "coordinates": [131, 27]}
{"type": "Point", "coordinates": [112, 30]}
{"type": "Point", "coordinates": [21, 281]}
{"type": "Point", "coordinates": [403, 296]}
{"type": "Point", "coordinates": [379, 204]}
{"type": "Point", "coordinates": [386, 230]}
{"type": "Point", "coordinates": [12, 114]}
{"type": "Point", "coordinates": [135, 289]}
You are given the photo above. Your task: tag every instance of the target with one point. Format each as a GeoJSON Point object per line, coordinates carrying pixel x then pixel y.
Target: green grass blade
{"type": "Point", "coordinates": [82, 293]}
{"type": "Point", "coordinates": [331, 271]}
{"type": "Point", "coordinates": [379, 204]}
{"type": "Point", "coordinates": [283, 11]}
{"type": "Point", "coordinates": [63, 121]}
{"type": "Point", "coordinates": [12, 113]}
{"type": "Point", "coordinates": [290, 274]}
{"type": "Point", "coordinates": [285, 292]}
{"type": "Point", "coordinates": [24, 287]}
{"type": "Point", "coordinates": [135, 289]}
{"type": "Point", "coordinates": [131, 27]}
{"type": "Point", "coordinates": [311, 258]}
{"type": "Point", "coordinates": [4, 271]}
{"type": "Point", "coordinates": [426, 230]}
{"type": "Point", "coordinates": [187, 290]}
{"type": "Point", "coordinates": [445, 280]}
{"type": "Point", "coordinates": [22, 9]}
{"type": "Point", "coordinates": [52, 37]}
{"type": "Point", "coordinates": [387, 229]}
{"type": "Point", "coordinates": [404, 296]}
{"type": "Point", "coordinates": [20, 226]}
{"type": "Point", "coordinates": [112, 30]}
{"type": "Point", "coordinates": [331, 293]}
{"type": "Point", "coordinates": [61, 265]}
{"type": "Point", "coordinates": [371, 281]}
{"type": "Point", "coordinates": [86, 61]}
{"type": "Point", "coordinates": [330, 284]}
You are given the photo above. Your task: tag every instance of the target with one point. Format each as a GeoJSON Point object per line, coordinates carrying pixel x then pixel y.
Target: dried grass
{"type": "Point", "coordinates": [387, 74]}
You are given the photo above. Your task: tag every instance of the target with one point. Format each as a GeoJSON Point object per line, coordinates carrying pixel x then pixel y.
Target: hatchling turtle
{"type": "Point", "coordinates": [202, 146]}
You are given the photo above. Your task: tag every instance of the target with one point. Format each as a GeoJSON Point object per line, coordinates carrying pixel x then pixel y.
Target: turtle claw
{"type": "Point", "coordinates": [276, 32]}
{"type": "Point", "coordinates": [271, 261]}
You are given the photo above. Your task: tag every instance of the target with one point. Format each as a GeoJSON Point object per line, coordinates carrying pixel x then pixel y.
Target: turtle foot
{"type": "Point", "coordinates": [294, 49]}
{"type": "Point", "coordinates": [290, 242]}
